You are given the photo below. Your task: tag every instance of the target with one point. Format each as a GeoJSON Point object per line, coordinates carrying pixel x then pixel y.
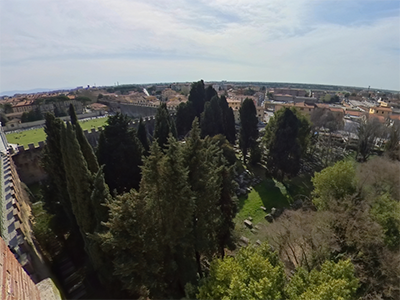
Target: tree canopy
{"type": "Point", "coordinates": [248, 133]}
{"type": "Point", "coordinates": [121, 152]}
{"type": "Point", "coordinates": [286, 139]}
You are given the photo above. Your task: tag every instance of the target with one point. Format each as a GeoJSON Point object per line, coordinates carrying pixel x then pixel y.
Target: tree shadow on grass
{"type": "Point", "coordinates": [270, 194]}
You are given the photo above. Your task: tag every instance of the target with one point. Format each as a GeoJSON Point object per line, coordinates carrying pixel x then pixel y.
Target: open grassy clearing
{"type": "Point", "coordinates": [37, 135]}
{"type": "Point", "coordinates": [268, 193]}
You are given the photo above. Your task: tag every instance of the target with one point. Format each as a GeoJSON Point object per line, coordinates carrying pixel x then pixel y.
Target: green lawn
{"type": "Point", "coordinates": [268, 193]}
{"type": "Point", "coordinates": [36, 135]}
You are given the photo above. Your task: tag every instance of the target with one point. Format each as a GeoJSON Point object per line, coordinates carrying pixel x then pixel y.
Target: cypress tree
{"type": "Point", "coordinates": [79, 181]}
{"type": "Point", "coordinates": [52, 162]}
{"type": "Point", "coordinates": [88, 193]}
{"type": "Point", "coordinates": [120, 151]}
{"type": "Point", "coordinates": [86, 148]}
{"type": "Point", "coordinates": [285, 138]}
{"type": "Point", "coordinates": [248, 128]}
{"type": "Point", "coordinates": [211, 122]}
{"type": "Point", "coordinates": [210, 92]}
{"type": "Point", "coordinates": [185, 115]}
{"type": "Point", "coordinates": [164, 126]}
{"type": "Point", "coordinates": [228, 120]}
{"type": "Point", "coordinates": [228, 208]}
{"type": "Point", "coordinates": [206, 186]}
{"type": "Point", "coordinates": [170, 203]}
{"type": "Point", "coordinates": [142, 136]}
{"type": "Point", "coordinates": [197, 97]}
{"type": "Point", "coordinates": [72, 114]}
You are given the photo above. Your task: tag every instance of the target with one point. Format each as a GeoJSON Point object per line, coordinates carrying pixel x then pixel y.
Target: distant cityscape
{"type": "Point", "coordinates": [351, 102]}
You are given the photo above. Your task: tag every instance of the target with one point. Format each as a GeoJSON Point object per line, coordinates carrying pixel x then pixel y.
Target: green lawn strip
{"type": "Point", "coordinates": [95, 123]}
{"type": "Point", "coordinates": [26, 137]}
{"type": "Point", "coordinates": [37, 135]}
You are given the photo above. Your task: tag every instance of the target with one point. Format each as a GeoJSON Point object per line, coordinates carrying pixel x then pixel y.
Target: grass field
{"type": "Point", "coordinates": [37, 135]}
{"type": "Point", "coordinates": [268, 193]}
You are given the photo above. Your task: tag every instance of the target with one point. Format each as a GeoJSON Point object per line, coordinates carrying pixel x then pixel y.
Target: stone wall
{"type": "Point", "coordinates": [28, 161]}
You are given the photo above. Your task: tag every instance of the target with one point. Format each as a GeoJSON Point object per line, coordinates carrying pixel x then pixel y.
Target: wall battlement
{"type": "Point", "coordinates": [28, 160]}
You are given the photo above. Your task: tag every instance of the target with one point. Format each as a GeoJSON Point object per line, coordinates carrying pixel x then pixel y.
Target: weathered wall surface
{"type": "Point", "coordinates": [28, 163]}
{"type": "Point", "coordinates": [14, 282]}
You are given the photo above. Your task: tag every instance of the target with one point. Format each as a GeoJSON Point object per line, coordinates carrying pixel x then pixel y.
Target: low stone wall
{"type": "Point", "coordinates": [40, 123]}
{"type": "Point", "coordinates": [28, 161]}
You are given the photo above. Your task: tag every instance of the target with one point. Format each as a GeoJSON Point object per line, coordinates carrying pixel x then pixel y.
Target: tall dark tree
{"type": "Point", "coordinates": [248, 133]}
{"type": "Point", "coordinates": [142, 136]}
{"type": "Point", "coordinates": [392, 146]}
{"type": "Point", "coordinates": [210, 92]}
{"type": "Point", "coordinates": [57, 200]}
{"type": "Point", "coordinates": [120, 151]}
{"type": "Point", "coordinates": [205, 185]}
{"type": "Point", "coordinates": [197, 97]}
{"type": "Point", "coordinates": [211, 118]}
{"type": "Point", "coordinates": [185, 115]}
{"type": "Point", "coordinates": [286, 138]}
{"type": "Point", "coordinates": [164, 125]}
{"type": "Point", "coordinates": [86, 148]}
{"type": "Point", "coordinates": [88, 194]}
{"type": "Point", "coordinates": [72, 114]}
{"type": "Point", "coordinates": [228, 120]}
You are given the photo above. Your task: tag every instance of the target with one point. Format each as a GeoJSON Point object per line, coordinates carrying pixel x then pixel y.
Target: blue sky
{"type": "Point", "coordinates": [55, 44]}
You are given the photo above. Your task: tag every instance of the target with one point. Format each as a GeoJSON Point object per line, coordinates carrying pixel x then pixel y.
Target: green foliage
{"type": "Point", "coordinates": [150, 231]}
{"type": "Point", "coordinates": [249, 92]}
{"type": "Point", "coordinates": [197, 97]}
{"type": "Point", "coordinates": [120, 151]}
{"type": "Point", "coordinates": [248, 133]}
{"type": "Point", "coordinates": [386, 212]}
{"type": "Point", "coordinates": [333, 281]}
{"type": "Point", "coordinates": [228, 120]}
{"type": "Point", "coordinates": [334, 182]}
{"type": "Point", "coordinates": [286, 139]}
{"type": "Point", "coordinates": [3, 119]}
{"type": "Point", "coordinates": [33, 115]}
{"type": "Point", "coordinates": [7, 107]}
{"type": "Point", "coordinates": [142, 136]}
{"type": "Point", "coordinates": [227, 149]}
{"type": "Point", "coordinates": [392, 146]}
{"type": "Point", "coordinates": [42, 226]}
{"type": "Point", "coordinates": [86, 148]}
{"type": "Point", "coordinates": [55, 190]}
{"type": "Point", "coordinates": [254, 273]}
{"type": "Point", "coordinates": [211, 118]}
{"type": "Point", "coordinates": [164, 126]}
{"type": "Point", "coordinates": [185, 115]}
{"type": "Point", "coordinates": [257, 273]}
{"type": "Point", "coordinates": [210, 92]}
{"type": "Point", "coordinates": [182, 214]}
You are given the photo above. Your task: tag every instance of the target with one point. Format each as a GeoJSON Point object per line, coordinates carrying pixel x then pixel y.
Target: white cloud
{"type": "Point", "coordinates": [149, 41]}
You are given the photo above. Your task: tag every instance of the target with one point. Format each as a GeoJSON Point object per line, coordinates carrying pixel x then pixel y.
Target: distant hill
{"type": "Point", "coordinates": [33, 91]}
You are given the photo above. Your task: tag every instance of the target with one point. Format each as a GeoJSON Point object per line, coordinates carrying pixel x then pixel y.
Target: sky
{"type": "Point", "coordinates": [57, 44]}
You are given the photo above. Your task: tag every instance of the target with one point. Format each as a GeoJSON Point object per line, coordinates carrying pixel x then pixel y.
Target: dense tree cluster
{"type": "Point", "coordinates": [257, 273]}
{"type": "Point", "coordinates": [165, 229]}
{"type": "Point", "coordinates": [218, 118]}
{"type": "Point", "coordinates": [214, 113]}
{"type": "Point", "coordinates": [181, 215]}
